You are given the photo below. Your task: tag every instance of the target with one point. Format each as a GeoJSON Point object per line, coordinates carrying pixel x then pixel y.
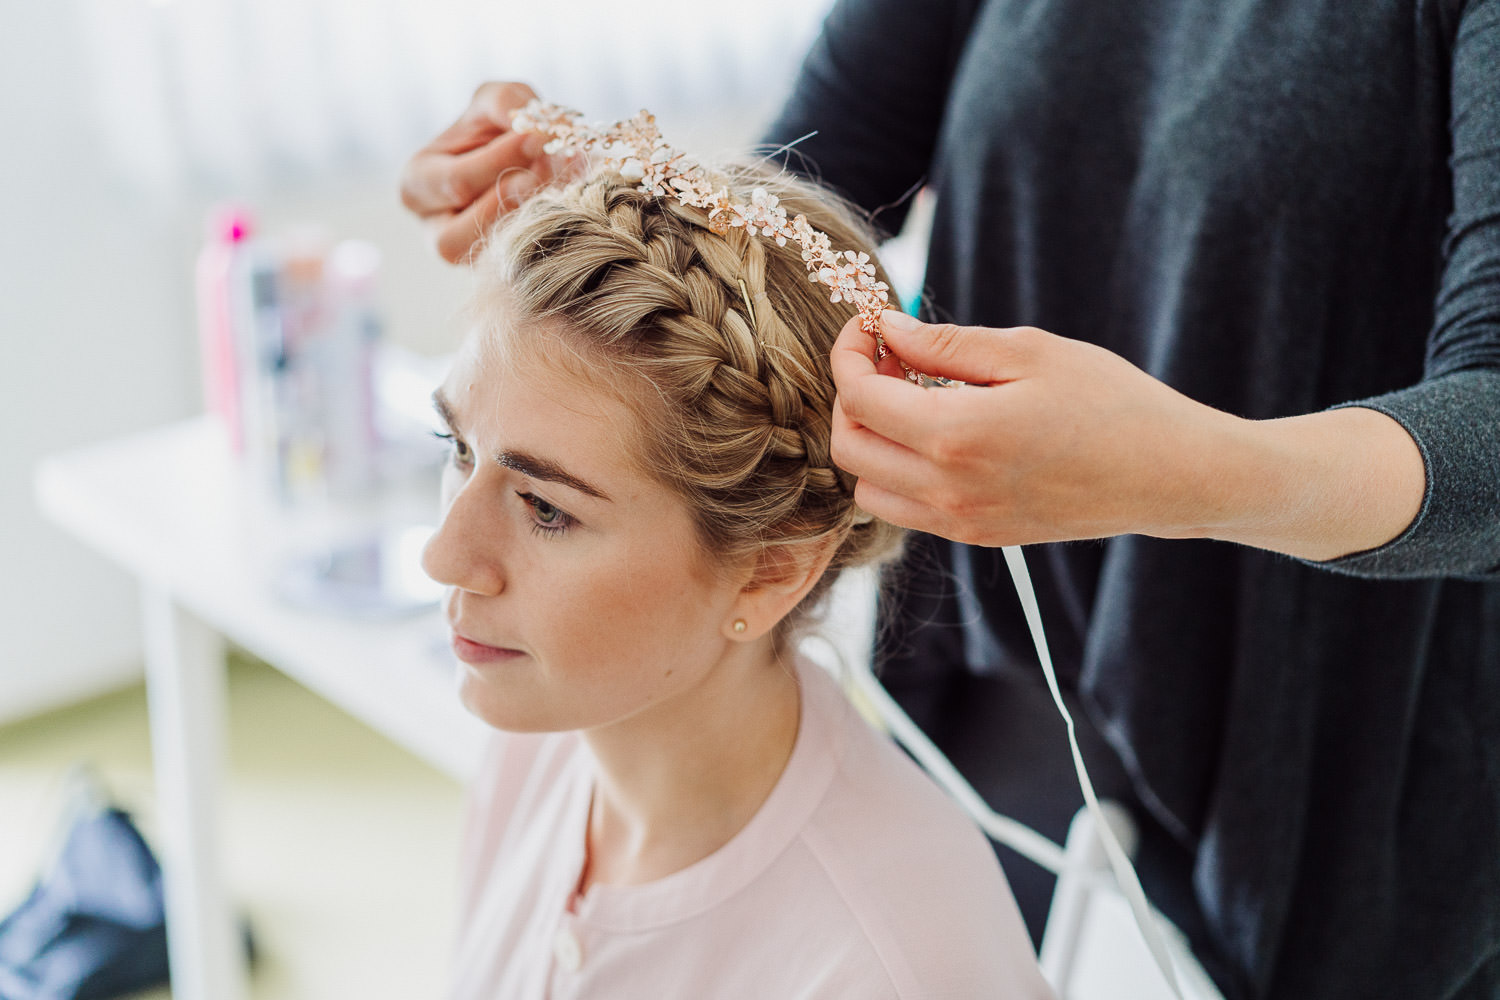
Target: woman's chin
{"type": "Point", "coordinates": [497, 709]}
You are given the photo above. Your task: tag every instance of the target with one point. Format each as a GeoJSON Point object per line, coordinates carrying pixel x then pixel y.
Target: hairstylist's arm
{"type": "Point", "coordinates": [1058, 439]}
{"type": "Point", "coordinates": [462, 181]}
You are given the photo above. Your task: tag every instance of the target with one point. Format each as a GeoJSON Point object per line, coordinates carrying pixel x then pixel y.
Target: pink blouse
{"type": "Point", "coordinates": [857, 878]}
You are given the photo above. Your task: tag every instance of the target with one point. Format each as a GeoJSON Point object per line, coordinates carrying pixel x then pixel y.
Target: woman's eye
{"type": "Point", "coordinates": [458, 448]}
{"type": "Point", "coordinates": [545, 518]}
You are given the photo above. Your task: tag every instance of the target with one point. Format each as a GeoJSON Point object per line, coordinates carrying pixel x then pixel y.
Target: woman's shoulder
{"type": "Point", "coordinates": [878, 797]}
{"type": "Point", "coordinates": [917, 876]}
{"type": "Point", "coordinates": [521, 780]}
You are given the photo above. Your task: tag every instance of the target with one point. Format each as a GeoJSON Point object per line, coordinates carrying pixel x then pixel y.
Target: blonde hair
{"type": "Point", "coordinates": [719, 344]}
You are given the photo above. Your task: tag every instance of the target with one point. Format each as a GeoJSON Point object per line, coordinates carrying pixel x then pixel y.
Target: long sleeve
{"type": "Point", "coordinates": [1454, 412]}
{"type": "Point", "coordinates": [873, 88]}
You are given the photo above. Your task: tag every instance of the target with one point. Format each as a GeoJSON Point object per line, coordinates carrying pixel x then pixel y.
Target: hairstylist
{"type": "Point", "coordinates": [1231, 218]}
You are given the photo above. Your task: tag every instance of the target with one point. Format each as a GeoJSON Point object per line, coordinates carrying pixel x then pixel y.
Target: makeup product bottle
{"type": "Point", "coordinates": [298, 374]}
{"type": "Point", "coordinates": [263, 362]}
{"type": "Point", "coordinates": [346, 375]}
{"type": "Point", "coordinates": [218, 282]}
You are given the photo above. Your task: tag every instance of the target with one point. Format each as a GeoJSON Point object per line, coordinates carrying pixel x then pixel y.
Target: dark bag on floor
{"type": "Point", "coordinates": [94, 927]}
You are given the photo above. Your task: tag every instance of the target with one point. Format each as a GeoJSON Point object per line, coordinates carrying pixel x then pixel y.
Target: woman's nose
{"type": "Point", "coordinates": [457, 554]}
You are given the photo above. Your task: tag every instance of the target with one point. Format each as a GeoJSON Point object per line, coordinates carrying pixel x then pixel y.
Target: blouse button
{"type": "Point", "coordinates": [567, 949]}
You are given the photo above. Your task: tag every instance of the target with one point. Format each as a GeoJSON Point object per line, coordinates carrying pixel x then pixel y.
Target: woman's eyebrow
{"type": "Point", "coordinates": [444, 409]}
{"type": "Point", "coordinates": [526, 465]}
{"type": "Point", "coordinates": [540, 468]}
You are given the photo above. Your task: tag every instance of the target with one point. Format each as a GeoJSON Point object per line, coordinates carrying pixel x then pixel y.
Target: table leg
{"type": "Point", "coordinates": [185, 691]}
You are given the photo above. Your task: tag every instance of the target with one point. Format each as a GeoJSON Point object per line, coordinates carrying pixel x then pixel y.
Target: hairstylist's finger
{"type": "Point", "coordinates": [901, 510]}
{"type": "Point", "coordinates": [891, 407]}
{"type": "Point", "coordinates": [889, 464]}
{"type": "Point", "coordinates": [473, 173]}
{"type": "Point", "coordinates": [424, 186]}
{"type": "Point", "coordinates": [855, 353]}
{"type": "Point", "coordinates": [426, 180]}
{"type": "Point", "coordinates": [456, 235]}
{"type": "Point", "coordinates": [495, 101]}
{"type": "Point", "coordinates": [890, 365]}
{"type": "Point", "coordinates": [975, 354]}
{"type": "Point", "coordinates": [853, 338]}
{"type": "Point", "coordinates": [470, 131]}
{"type": "Point", "coordinates": [459, 234]}
{"type": "Point", "coordinates": [439, 183]}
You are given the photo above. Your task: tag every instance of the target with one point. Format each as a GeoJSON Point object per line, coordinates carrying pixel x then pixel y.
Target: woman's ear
{"type": "Point", "coordinates": [783, 576]}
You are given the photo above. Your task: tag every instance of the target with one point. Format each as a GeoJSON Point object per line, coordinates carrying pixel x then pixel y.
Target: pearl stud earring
{"type": "Point", "coordinates": [739, 625]}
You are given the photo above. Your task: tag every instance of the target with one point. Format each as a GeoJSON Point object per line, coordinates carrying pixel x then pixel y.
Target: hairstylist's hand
{"type": "Point", "coordinates": [1053, 439]}
{"type": "Point", "coordinates": [1058, 439]}
{"type": "Point", "coordinates": [463, 180]}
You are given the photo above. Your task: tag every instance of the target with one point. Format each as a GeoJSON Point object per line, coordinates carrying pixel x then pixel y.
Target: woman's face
{"type": "Point", "coordinates": [578, 592]}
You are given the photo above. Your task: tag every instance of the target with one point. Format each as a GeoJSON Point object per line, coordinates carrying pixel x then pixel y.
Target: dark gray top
{"type": "Point", "coordinates": [1275, 208]}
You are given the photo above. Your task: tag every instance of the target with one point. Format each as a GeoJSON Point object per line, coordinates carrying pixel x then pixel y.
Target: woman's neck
{"type": "Point", "coordinates": [678, 781]}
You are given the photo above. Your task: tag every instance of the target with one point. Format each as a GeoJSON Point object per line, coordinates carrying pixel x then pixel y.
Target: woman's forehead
{"type": "Point", "coordinates": [548, 345]}
{"type": "Point", "coordinates": [493, 367]}
{"type": "Point", "coordinates": [527, 396]}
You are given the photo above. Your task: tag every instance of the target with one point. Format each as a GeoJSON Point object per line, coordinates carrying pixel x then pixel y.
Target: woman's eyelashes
{"type": "Point", "coordinates": [458, 449]}
{"type": "Point", "coordinates": [546, 519]}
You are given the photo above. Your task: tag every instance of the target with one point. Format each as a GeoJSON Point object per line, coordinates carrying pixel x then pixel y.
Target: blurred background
{"type": "Point", "coordinates": [125, 120]}
{"type": "Point", "coordinates": [122, 123]}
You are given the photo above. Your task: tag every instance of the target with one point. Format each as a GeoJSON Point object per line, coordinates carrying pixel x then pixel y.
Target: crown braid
{"type": "Point", "coordinates": [735, 414]}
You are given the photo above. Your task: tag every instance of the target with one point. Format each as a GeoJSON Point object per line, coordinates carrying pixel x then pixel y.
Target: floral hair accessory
{"type": "Point", "coordinates": [636, 150]}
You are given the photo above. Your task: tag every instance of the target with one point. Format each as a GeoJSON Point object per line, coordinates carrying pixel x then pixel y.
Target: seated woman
{"type": "Point", "coordinates": [640, 515]}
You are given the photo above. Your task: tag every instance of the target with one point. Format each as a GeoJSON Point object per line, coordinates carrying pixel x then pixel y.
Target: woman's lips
{"type": "Point", "coordinates": [477, 652]}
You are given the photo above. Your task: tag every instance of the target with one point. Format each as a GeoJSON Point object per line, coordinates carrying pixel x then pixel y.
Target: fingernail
{"type": "Point", "coordinates": [531, 146]}
{"type": "Point", "coordinates": [897, 321]}
{"type": "Point", "coordinates": [518, 186]}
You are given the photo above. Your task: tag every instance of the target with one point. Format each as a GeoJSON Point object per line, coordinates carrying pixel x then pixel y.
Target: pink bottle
{"type": "Point", "coordinates": [218, 283]}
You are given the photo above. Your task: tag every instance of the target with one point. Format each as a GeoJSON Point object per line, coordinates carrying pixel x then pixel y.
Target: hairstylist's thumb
{"type": "Point", "coordinates": [979, 355]}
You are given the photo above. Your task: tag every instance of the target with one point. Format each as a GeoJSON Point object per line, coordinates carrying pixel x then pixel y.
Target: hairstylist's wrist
{"type": "Point", "coordinates": [1213, 479]}
{"type": "Point", "coordinates": [1317, 486]}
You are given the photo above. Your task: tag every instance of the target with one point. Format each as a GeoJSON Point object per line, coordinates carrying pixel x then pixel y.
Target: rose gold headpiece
{"type": "Point", "coordinates": [636, 150]}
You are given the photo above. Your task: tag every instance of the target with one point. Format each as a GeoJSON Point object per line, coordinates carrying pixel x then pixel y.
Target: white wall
{"type": "Point", "coordinates": [95, 343]}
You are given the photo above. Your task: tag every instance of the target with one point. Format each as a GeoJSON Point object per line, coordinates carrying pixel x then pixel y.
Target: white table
{"type": "Point", "coordinates": [175, 510]}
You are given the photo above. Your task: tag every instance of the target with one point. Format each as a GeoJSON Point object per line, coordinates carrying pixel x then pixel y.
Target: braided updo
{"type": "Point", "coordinates": [734, 413]}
